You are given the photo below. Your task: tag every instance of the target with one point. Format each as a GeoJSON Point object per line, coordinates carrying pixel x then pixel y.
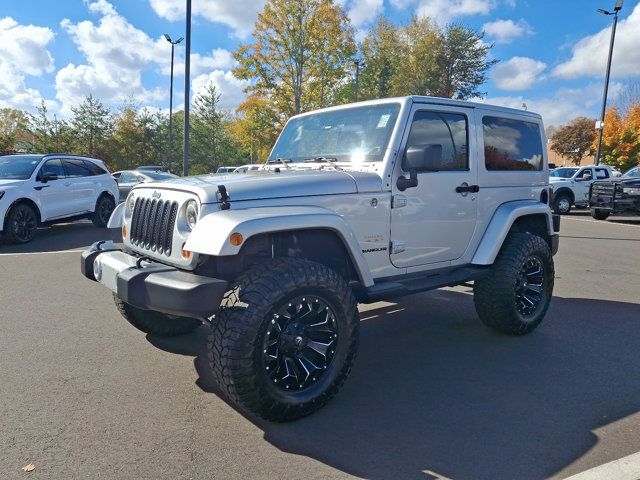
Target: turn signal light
{"type": "Point", "coordinates": [124, 231]}
{"type": "Point", "coordinates": [186, 254]}
{"type": "Point", "coordinates": [236, 239]}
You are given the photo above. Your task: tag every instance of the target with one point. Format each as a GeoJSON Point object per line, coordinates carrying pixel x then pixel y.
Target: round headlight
{"type": "Point", "coordinates": [131, 201]}
{"type": "Point", "coordinates": [192, 213]}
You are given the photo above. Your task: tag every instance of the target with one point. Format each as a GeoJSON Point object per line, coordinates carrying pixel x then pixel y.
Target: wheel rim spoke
{"type": "Point", "coordinates": [300, 342]}
{"type": "Point", "coordinates": [529, 291]}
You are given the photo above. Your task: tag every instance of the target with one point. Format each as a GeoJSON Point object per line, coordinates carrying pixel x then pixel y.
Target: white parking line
{"type": "Point", "coordinates": [39, 253]}
{"type": "Point", "coordinates": [600, 222]}
{"type": "Point", "coordinates": [625, 468]}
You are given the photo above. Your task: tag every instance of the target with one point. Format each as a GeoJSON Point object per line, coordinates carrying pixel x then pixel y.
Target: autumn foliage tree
{"type": "Point", "coordinates": [575, 139]}
{"type": "Point", "coordinates": [621, 137]}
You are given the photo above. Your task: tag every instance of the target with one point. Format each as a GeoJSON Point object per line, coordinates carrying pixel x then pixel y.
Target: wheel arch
{"type": "Point", "coordinates": [564, 191]}
{"type": "Point", "coordinates": [19, 201]}
{"type": "Point", "coordinates": [299, 232]}
{"type": "Point", "coordinates": [522, 216]}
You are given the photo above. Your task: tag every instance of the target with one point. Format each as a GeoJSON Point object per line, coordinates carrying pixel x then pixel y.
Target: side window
{"type": "Point", "coordinates": [75, 168]}
{"type": "Point", "coordinates": [586, 173]}
{"type": "Point", "coordinates": [52, 168]}
{"type": "Point", "coordinates": [127, 177]}
{"type": "Point", "coordinates": [446, 130]}
{"type": "Point", "coordinates": [602, 173]}
{"type": "Point", "coordinates": [94, 168]}
{"type": "Point", "coordinates": [511, 144]}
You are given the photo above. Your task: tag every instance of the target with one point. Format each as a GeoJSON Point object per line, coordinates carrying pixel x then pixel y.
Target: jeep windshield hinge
{"type": "Point", "coordinates": [224, 198]}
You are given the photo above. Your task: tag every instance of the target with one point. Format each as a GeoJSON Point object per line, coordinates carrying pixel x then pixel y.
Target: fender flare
{"type": "Point", "coordinates": [117, 216]}
{"type": "Point", "coordinates": [565, 190]}
{"type": "Point", "coordinates": [500, 224]}
{"type": "Point", "coordinates": [211, 234]}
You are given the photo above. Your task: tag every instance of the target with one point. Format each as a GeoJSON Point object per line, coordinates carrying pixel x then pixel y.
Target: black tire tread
{"type": "Point", "coordinates": [9, 234]}
{"type": "Point", "coordinates": [95, 217]}
{"type": "Point", "coordinates": [235, 337]}
{"type": "Point", "coordinates": [155, 323]}
{"type": "Point", "coordinates": [599, 213]}
{"type": "Point", "coordinates": [493, 294]}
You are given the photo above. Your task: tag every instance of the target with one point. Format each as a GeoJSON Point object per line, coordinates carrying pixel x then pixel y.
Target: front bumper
{"type": "Point", "coordinates": [151, 285]}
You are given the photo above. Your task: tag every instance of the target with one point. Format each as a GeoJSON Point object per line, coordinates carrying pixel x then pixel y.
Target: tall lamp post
{"type": "Point", "coordinates": [358, 64]}
{"type": "Point", "coordinates": [187, 96]}
{"type": "Point", "coordinates": [600, 124]}
{"type": "Point", "coordinates": [173, 45]}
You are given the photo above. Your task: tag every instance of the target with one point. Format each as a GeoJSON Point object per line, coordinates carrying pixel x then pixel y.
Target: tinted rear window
{"type": "Point", "coordinates": [511, 144]}
{"type": "Point", "coordinates": [94, 168]}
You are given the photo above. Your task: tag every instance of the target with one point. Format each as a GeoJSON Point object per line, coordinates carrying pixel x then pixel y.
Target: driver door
{"type": "Point", "coordinates": [56, 196]}
{"type": "Point", "coordinates": [434, 221]}
{"type": "Point", "coordinates": [581, 186]}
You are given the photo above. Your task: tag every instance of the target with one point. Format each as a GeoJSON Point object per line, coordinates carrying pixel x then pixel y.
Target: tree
{"type": "Point", "coordinates": [299, 55]}
{"type": "Point", "coordinates": [256, 127]}
{"type": "Point", "coordinates": [92, 125]}
{"type": "Point", "coordinates": [380, 51]}
{"type": "Point", "coordinates": [49, 135]}
{"type": "Point", "coordinates": [621, 137]}
{"type": "Point", "coordinates": [575, 139]}
{"type": "Point", "coordinates": [463, 63]}
{"type": "Point", "coordinates": [207, 127]}
{"type": "Point", "coordinates": [13, 129]}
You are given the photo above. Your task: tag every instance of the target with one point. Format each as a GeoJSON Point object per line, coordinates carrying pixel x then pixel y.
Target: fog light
{"type": "Point", "coordinates": [236, 239]}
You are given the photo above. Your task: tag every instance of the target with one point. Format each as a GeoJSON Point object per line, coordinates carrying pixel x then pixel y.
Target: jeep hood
{"type": "Point", "coordinates": [265, 184]}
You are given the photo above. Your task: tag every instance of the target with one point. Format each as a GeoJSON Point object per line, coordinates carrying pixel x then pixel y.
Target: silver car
{"type": "Point", "coordinates": [127, 179]}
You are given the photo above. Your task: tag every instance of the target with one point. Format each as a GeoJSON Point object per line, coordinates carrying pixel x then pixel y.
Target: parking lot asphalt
{"type": "Point", "coordinates": [433, 393]}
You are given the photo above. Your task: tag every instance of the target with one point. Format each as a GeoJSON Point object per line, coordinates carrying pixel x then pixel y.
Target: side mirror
{"type": "Point", "coordinates": [48, 178]}
{"type": "Point", "coordinates": [419, 158]}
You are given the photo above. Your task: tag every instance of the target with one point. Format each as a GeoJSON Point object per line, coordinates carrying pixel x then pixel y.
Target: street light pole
{"type": "Point", "coordinates": [358, 64]}
{"type": "Point", "coordinates": [187, 84]}
{"type": "Point", "coordinates": [600, 124]}
{"type": "Point", "coordinates": [173, 44]}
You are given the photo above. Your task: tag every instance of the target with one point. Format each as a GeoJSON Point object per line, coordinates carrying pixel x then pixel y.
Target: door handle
{"type": "Point", "coordinates": [41, 187]}
{"type": "Point", "coordinates": [464, 188]}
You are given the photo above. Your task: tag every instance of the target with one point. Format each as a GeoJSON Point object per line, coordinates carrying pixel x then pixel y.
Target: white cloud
{"type": "Point", "coordinates": [23, 52]}
{"type": "Point", "coordinates": [517, 73]}
{"type": "Point", "coordinates": [505, 31]}
{"type": "Point", "coordinates": [362, 12]}
{"type": "Point", "coordinates": [116, 53]}
{"type": "Point", "coordinates": [564, 105]}
{"type": "Point", "coordinates": [589, 55]}
{"type": "Point", "coordinates": [237, 14]}
{"type": "Point", "coordinates": [218, 59]}
{"type": "Point", "coordinates": [443, 11]}
{"type": "Point", "coordinates": [229, 87]}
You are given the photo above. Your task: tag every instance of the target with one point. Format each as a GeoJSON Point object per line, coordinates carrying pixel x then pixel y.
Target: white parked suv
{"type": "Point", "coordinates": [571, 185]}
{"type": "Point", "coordinates": [365, 202]}
{"type": "Point", "coordinates": [42, 189]}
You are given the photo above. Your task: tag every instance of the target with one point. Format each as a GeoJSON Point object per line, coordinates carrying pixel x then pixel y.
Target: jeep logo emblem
{"type": "Point", "coordinates": [156, 194]}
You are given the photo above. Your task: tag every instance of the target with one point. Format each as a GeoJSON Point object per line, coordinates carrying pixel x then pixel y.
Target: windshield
{"type": "Point", "coordinates": [351, 134]}
{"type": "Point", "coordinates": [563, 172]}
{"type": "Point", "coordinates": [18, 167]}
{"type": "Point", "coordinates": [633, 173]}
{"type": "Point", "coordinates": [160, 175]}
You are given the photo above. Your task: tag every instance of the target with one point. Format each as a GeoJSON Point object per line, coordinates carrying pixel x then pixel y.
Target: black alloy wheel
{"type": "Point", "coordinates": [22, 224]}
{"type": "Point", "coordinates": [104, 209]}
{"type": "Point", "coordinates": [300, 343]}
{"type": "Point", "coordinates": [530, 286]}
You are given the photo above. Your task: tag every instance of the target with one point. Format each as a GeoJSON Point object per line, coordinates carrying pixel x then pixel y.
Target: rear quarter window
{"type": "Point", "coordinates": [94, 168]}
{"type": "Point", "coordinates": [511, 145]}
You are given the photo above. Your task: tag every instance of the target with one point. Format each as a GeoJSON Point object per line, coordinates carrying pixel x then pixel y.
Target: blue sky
{"type": "Point", "coordinates": [552, 54]}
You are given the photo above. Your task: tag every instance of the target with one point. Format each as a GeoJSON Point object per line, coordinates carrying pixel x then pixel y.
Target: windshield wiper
{"type": "Point", "coordinates": [331, 160]}
{"type": "Point", "coordinates": [283, 161]}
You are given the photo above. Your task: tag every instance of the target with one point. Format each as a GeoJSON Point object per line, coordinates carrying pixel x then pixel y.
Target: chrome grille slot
{"type": "Point", "coordinates": [152, 224]}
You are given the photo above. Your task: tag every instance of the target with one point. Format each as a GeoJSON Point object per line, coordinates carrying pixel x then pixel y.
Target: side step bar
{"type": "Point", "coordinates": [420, 283]}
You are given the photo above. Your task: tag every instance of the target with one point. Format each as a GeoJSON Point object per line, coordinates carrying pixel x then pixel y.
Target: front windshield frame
{"type": "Point", "coordinates": [28, 165]}
{"type": "Point", "coordinates": [160, 176]}
{"type": "Point", "coordinates": [557, 173]}
{"type": "Point", "coordinates": [371, 125]}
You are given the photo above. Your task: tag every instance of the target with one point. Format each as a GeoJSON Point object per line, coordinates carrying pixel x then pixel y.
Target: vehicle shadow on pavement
{"type": "Point", "coordinates": [434, 392]}
{"type": "Point", "coordinates": [64, 236]}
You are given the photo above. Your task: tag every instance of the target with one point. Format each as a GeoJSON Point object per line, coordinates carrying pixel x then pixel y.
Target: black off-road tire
{"type": "Point", "coordinates": [21, 224]}
{"type": "Point", "coordinates": [155, 323]}
{"type": "Point", "coordinates": [496, 294]}
{"type": "Point", "coordinates": [103, 210]}
{"type": "Point", "coordinates": [600, 214]}
{"type": "Point", "coordinates": [561, 204]}
{"type": "Point", "coordinates": [236, 344]}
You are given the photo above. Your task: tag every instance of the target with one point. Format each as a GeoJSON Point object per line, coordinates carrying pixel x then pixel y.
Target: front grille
{"type": "Point", "coordinates": [604, 188]}
{"type": "Point", "coordinates": [152, 224]}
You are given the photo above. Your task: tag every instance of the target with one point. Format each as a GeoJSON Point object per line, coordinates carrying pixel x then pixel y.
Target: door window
{"type": "Point", "coordinates": [447, 130]}
{"type": "Point", "coordinates": [586, 173]}
{"type": "Point", "coordinates": [76, 168]}
{"type": "Point", "coordinates": [127, 177]}
{"type": "Point", "coordinates": [511, 144]}
{"type": "Point", "coordinates": [602, 173]}
{"type": "Point", "coordinates": [52, 168]}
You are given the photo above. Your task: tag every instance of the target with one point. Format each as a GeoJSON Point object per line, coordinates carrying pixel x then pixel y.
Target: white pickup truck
{"type": "Point", "coordinates": [571, 185]}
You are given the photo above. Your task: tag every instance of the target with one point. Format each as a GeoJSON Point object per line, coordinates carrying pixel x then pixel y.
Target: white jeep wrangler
{"type": "Point", "coordinates": [365, 202]}
{"type": "Point", "coordinates": [571, 185]}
